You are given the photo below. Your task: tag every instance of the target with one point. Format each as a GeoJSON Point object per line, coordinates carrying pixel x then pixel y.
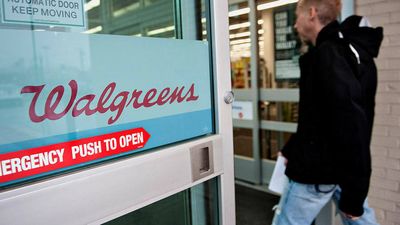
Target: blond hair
{"type": "Point", "coordinates": [328, 10]}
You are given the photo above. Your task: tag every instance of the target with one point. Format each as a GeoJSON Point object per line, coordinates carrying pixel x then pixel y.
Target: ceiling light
{"type": "Point", "coordinates": [239, 12]}
{"type": "Point", "coordinates": [94, 30]}
{"type": "Point", "coordinates": [275, 4]}
{"type": "Point", "coordinates": [161, 30]}
{"type": "Point", "coordinates": [92, 4]}
{"type": "Point", "coordinates": [241, 46]}
{"type": "Point", "coordinates": [240, 41]}
{"type": "Point", "coordinates": [264, 6]}
{"type": "Point", "coordinates": [243, 25]}
{"type": "Point", "coordinates": [239, 25]}
{"type": "Point", "coordinates": [243, 34]}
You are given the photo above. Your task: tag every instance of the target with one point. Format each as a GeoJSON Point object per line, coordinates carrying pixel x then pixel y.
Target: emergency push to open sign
{"type": "Point", "coordinates": [34, 161]}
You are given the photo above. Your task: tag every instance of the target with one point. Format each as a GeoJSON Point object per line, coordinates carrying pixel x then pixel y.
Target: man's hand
{"type": "Point", "coordinates": [280, 154]}
{"type": "Point", "coordinates": [350, 217]}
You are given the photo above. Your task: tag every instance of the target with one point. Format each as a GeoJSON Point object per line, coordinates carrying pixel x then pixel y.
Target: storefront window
{"type": "Point", "coordinates": [279, 111]}
{"type": "Point", "coordinates": [278, 75]}
{"type": "Point", "coordinates": [279, 48]}
{"type": "Point", "coordinates": [240, 44]}
{"type": "Point", "coordinates": [277, 43]}
{"type": "Point", "coordinates": [279, 70]}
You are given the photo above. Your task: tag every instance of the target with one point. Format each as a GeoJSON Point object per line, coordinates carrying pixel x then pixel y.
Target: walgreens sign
{"type": "Point", "coordinates": [107, 101]}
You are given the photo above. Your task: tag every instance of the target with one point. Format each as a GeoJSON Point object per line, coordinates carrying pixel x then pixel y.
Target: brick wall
{"type": "Point", "coordinates": [384, 194]}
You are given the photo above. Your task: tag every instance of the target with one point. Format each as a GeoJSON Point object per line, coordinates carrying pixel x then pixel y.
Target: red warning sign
{"type": "Point", "coordinates": [34, 161]}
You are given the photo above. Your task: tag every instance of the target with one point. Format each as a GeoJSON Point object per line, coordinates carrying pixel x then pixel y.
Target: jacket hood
{"type": "Point", "coordinates": [357, 30]}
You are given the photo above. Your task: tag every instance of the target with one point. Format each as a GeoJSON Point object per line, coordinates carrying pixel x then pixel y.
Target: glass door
{"type": "Point", "coordinates": [265, 79]}
{"type": "Point", "coordinates": [265, 74]}
{"type": "Point", "coordinates": [113, 112]}
{"type": "Point", "coordinates": [264, 113]}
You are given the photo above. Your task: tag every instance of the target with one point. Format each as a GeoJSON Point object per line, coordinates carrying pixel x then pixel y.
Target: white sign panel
{"type": "Point", "coordinates": [44, 12]}
{"type": "Point", "coordinates": [242, 110]}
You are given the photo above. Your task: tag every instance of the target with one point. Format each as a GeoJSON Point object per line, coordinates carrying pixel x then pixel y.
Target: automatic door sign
{"type": "Point", "coordinates": [43, 12]}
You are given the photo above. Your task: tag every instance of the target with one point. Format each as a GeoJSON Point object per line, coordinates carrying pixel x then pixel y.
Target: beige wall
{"type": "Point", "coordinates": [384, 194]}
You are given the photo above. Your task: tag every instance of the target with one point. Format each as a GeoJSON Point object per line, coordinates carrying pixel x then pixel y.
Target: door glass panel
{"type": "Point", "coordinates": [120, 8]}
{"type": "Point", "coordinates": [243, 141]}
{"type": "Point", "coordinates": [277, 78]}
{"type": "Point", "coordinates": [239, 38]}
{"type": "Point", "coordinates": [71, 76]}
{"type": "Point", "coordinates": [138, 18]}
{"type": "Point", "coordinates": [195, 206]}
{"type": "Point", "coordinates": [279, 48]}
{"type": "Point", "coordinates": [132, 17]}
{"type": "Point", "coordinates": [73, 95]}
{"type": "Point", "coordinates": [272, 142]}
{"type": "Point", "coordinates": [94, 18]}
{"type": "Point", "coordinates": [279, 111]}
{"type": "Point", "coordinates": [279, 69]}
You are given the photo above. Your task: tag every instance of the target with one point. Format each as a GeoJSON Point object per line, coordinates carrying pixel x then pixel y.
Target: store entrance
{"type": "Point", "coordinates": [265, 75]}
{"type": "Point", "coordinates": [113, 112]}
{"type": "Point", "coordinates": [265, 78]}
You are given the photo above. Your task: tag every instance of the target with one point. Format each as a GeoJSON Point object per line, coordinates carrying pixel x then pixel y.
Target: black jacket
{"type": "Point", "coordinates": [336, 112]}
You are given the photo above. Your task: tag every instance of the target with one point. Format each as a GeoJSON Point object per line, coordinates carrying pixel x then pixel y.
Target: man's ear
{"type": "Point", "coordinates": [312, 13]}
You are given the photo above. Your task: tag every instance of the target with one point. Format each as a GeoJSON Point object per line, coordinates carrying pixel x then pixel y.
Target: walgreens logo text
{"type": "Point", "coordinates": [108, 101]}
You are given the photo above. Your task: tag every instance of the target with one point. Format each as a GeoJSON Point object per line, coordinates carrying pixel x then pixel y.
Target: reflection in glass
{"type": "Point", "coordinates": [149, 2]}
{"type": "Point", "coordinates": [150, 18]}
{"type": "Point", "coordinates": [122, 7]}
{"type": "Point", "coordinates": [142, 18]}
{"type": "Point", "coordinates": [93, 16]}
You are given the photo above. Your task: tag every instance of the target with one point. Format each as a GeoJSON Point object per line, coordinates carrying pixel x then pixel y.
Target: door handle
{"type": "Point", "coordinates": [229, 97]}
{"type": "Point", "coordinates": [202, 160]}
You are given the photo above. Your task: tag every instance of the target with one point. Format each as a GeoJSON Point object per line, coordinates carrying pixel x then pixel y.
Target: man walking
{"type": "Point", "coordinates": [329, 156]}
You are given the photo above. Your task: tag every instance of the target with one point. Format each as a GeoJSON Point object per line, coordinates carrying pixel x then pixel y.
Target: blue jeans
{"type": "Point", "coordinates": [301, 203]}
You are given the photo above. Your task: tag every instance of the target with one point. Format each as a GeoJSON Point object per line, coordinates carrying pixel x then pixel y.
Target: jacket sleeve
{"type": "Point", "coordinates": [346, 126]}
{"type": "Point", "coordinates": [287, 148]}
